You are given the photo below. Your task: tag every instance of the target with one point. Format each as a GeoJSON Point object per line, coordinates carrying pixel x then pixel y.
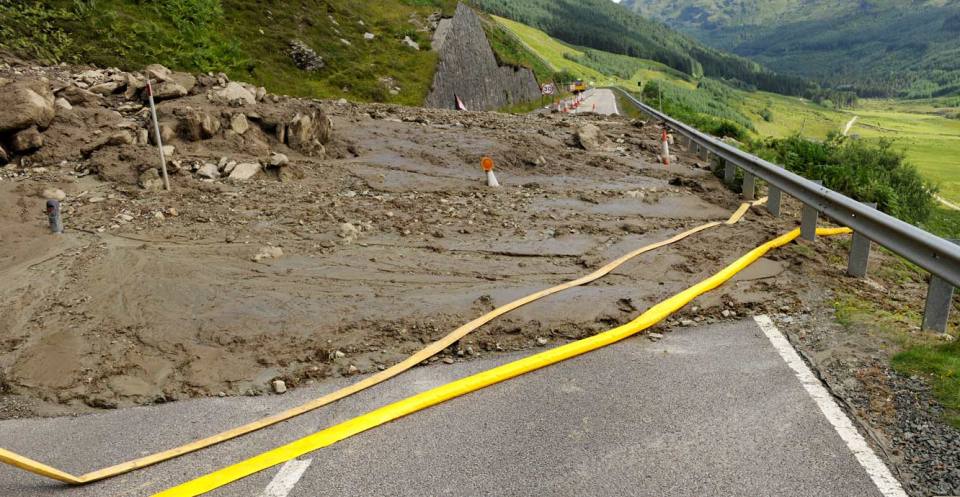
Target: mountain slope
{"type": "Point", "coordinates": [879, 47]}
{"type": "Point", "coordinates": [604, 25]}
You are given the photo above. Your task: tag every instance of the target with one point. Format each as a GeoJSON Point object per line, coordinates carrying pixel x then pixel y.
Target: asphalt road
{"type": "Point", "coordinates": [706, 411]}
{"type": "Point", "coordinates": [600, 101]}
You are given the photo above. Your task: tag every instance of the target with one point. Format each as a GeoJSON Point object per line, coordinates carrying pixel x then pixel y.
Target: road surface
{"type": "Point", "coordinates": [600, 101]}
{"type": "Point", "coordinates": [712, 410]}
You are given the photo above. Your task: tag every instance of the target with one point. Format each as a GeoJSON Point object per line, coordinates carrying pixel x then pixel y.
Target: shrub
{"type": "Point", "coordinates": [865, 171]}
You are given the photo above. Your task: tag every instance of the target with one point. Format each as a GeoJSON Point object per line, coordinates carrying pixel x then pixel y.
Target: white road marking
{"type": "Point", "coordinates": [287, 478]}
{"type": "Point", "coordinates": [878, 471]}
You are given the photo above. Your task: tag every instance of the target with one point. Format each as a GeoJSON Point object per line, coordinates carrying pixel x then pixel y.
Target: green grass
{"type": "Point", "coordinates": [941, 365]}
{"type": "Point", "coordinates": [247, 40]}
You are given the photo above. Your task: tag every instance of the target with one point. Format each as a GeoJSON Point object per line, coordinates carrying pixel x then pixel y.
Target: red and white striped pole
{"type": "Point", "coordinates": [665, 149]}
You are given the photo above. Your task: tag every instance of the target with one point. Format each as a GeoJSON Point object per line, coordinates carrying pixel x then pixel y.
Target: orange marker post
{"type": "Point", "coordinates": [487, 164]}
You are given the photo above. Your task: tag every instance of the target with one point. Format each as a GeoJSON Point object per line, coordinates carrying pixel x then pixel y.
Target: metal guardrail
{"type": "Point", "coordinates": [938, 256]}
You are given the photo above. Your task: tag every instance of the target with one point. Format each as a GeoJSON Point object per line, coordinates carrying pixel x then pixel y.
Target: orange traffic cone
{"type": "Point", "coordinates": [487, 164]}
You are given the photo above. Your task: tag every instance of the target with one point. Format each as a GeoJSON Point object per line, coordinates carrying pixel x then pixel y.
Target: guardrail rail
{"type": "Point", "coordinates": [938, 256]}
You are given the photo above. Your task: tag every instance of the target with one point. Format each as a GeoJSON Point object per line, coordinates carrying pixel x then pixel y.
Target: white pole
{"type": "Point", "coordinates": [156, 129]}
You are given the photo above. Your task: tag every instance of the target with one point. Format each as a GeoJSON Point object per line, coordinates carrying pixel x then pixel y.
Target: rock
{"type": "Point", "coordinates": [122, 137]}
{"type": "Point", "coordinates": [167, 133]}
{"type": "Point", "coordinates": [234, 93]}
{"type": "Point", "coordinates": [686, 322]}
{"type": "Point", "coordinates": [268, 252]}
{"type": "Point", "coordinates": [655, 336]}
{"type": "Point", "coordinates": [369, 36]}
{"type": "Point", "coordinates": [97, 200]}
{"type": "Point", "coordinates": [104, 89]}
{"type": "Point", "coordinates": [239, 124]}
{"type": "Point", "coordinates": [410, 43]}
{"type": "Point", "coordinates": [184, 80]}
{"type": "Point", "coordinates": [27, 140]}
{"type": "Point", "coordinates": [261, 93]}
{"type": "Point", "coordinates": [308, 133]}
{"type": "Point", "coordinates": [78, 96]}
{"type": "Point", "coordinates": [24, 104]}
{"type": "Point", "coordinates": [168, 151]}
{"type": "Point", "coordinates": [448, 360]}
{"type": "Point", "coordinates": [62, 104]}
{"type": "Point", "coordinates": [279, 386]}
{"type": "Point", "coordinates": [209, 171]}
{"type": "Point", "coordinates": [278, 160]}
{"type": "Point", "coordinates": [351, 369]}
{"type": "Point", "coordinates": [143, 137]}
{"type": "Point", "coordinates": [149, 180]}
{"type": "Point", "coordinates": [158, 73]}
{"type": "Point", "coordinates": [135, 84]}
{"type": "Point", "coordinates": [166, 90]}
{"type": "Point", "coordinates": [197, 125]}
{"type": "Point", "coordinates": [54, 194]}
{"type": "Point", "coordinates": [726, 313]}
{"type": "Point", "coordinates": [305, 57]}
{"type": "Point", "coordinates": [338, 354]}
{"type": "Point", "coordinates": [348, 232]}
{"type": "Point", "coordinates": [245, 171]}
{"type": "Point", "coordinates": [229, 167]}
{"type": "Point", "coordinates": [345, 42]}
{"type": "Point", "coordinates": [590, 138]}
{"type": "Point", "coordinates": [4, 157]}
{"type": "Point", "coordinates": [542, 341]}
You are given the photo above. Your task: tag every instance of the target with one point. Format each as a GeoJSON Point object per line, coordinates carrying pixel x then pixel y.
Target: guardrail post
{"type": "Point", "coordinates": [773, 200]}
{"type": "Point", "coordinates": [859, 252]}
{"type": "Point", "coordinates": [808, 220]}
{"type": "Point", "coordinates": [729, 171]}
{"type": "Point", "coordinates": [749, 186]}
{"type": "Point", "coordinates": [936, 313]}
{"type": "Point", "coordinates": [703, 152]}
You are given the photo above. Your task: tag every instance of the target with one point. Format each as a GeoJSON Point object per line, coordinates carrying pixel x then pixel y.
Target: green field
{"type": "Point", "coordinates": [922, 128]}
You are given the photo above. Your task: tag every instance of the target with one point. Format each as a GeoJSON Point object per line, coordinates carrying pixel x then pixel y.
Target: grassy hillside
{"type": "Point", "coordinates": [247, 40]}
{"type": "Point", "coordinates": [880, 47]}
{"type": "Point", "coordinates": [604, 25]}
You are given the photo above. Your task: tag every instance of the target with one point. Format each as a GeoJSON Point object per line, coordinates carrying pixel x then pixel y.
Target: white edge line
{"type": "Point", "coordinates": [876, 469]}
{"type": "Point", "coordinates": [287, 478]}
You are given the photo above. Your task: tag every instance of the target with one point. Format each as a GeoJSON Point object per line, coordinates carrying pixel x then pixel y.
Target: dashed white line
{"type": "Point", "coordinates": [876, 469]}
{"type": "Point", "coordinates": [287, 478]}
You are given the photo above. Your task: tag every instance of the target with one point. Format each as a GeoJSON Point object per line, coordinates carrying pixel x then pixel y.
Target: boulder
{"type": "Point", "coordinates": [304, 57]}
{"type": "Point", "coordinates": [197, 125]}
{"type": "Point", "coordinates": [308, 133]}
{"type": "Point", "coordinates": [234, 93]}
{"type": "Point", "coordinates": [122, 137]}
{"type": "Point", "coordinates": [590, 137]}
{"type": "Point", "coordinates": [62, 104]}
{"type": "Point", "coordinates": [410, 43]}
{"type": "Point", "coordinates": [135, 84]}
{"type": "Point", "coordinates": [244, 171]}
{"type": "Point", "coordinates": [4, 158]}
{"type": "Point", "coordinates": [208, 171]}
{"type": "Point", "coordinates": [166, 90]}
{"type": "Point", "coordinates": [24, 104]}
{"type": "Point", "coordinates": [54, 194]}
{"type": "Point", "coordinates": [27, 140]}
{"type": "Point", "coordinates": [278, 160]}
{"type": "Point", "coordinates": [104, 89]}
{"type": "Point", "coordinates": [78, 96]}
{"type": "Point", "coordinates": [185, 80]}
{"type": "Point", "coordinates": [158, 72]}
{"type": "Point", "coordinates": [239, 124]}
{"type": "Point", "coordinates": [151, 180]}
{"type": "Point", "coordinates": [261, 93]}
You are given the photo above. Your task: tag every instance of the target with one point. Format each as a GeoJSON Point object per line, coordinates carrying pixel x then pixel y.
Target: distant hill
{"type": "Point", "coordinates": [604, 25]}
{"type": "Point", "coordinates": [905, 48]}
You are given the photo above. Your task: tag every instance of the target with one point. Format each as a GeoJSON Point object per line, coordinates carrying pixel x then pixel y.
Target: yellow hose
{"type": "Point", "coordinates": [477, 381]}
{"type": "Point", "coordinates": [427, 352]}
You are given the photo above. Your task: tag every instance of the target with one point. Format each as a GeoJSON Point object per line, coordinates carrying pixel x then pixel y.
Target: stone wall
{"type": "Point", "coordinates": [468, 69]}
